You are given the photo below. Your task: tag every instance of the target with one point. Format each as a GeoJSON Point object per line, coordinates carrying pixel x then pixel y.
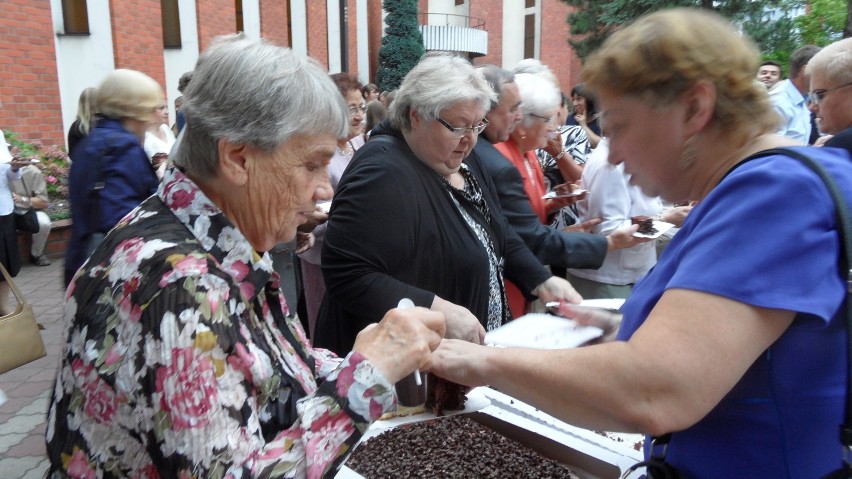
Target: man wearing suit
{"type": "Point", "coordinates": [551, 246]}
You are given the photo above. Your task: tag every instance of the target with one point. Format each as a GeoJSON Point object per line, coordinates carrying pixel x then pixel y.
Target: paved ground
{"type": "Point", "coordinates": [22, 417]}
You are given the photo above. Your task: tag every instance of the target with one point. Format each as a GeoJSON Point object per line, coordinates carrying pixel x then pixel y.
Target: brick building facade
{"type": "Point", "coordinates": [44, 68]}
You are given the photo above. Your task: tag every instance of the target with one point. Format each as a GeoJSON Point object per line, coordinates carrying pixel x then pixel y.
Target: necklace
{"type": "Point", "coordinates": [349, 151]}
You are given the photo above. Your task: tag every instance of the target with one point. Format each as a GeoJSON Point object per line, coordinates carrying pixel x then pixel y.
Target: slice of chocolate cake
{"type": "Point", "coordinates": [443, 395]}
{"type": "Point", "coordinates": [646, 224]}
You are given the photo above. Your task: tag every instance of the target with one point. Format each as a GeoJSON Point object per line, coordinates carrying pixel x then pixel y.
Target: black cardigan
{"type": "Point", "coordinates": [551, 246]}
{"type": "Point", "coordinates": [394, 233]}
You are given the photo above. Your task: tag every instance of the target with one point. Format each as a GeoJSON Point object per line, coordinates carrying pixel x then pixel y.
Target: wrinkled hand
{"type": "Point", "coordinates": [461, 323]}
{"type": "Point", "coordinates": [584, 227]}
{"type": "Point", "coordinates": [554, 146]}
{"type": "Point", "coordinates": [317, 217]}
{"type": "Point", "coordinates": [460, 362]}
{"type": "Point", "coordinates": [553, 205]}
{"type": "Point", "coordinates": [821, 140]}
{"type": "Point", "coordinates": [609, 322]}
{"type": "Point", "coordinates": [402, 342]}
{"type": "Point", "coordinates": [623, 238]}
{"type": "Point", "coordinates": [557, 289]}
{"type": "Point", "coordinates": [676, 215]}
{"type": "Point", "coordinates": [304, 241]}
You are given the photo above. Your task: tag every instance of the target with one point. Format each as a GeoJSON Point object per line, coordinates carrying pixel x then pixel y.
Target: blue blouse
{"type": "Point", "coordinates": [765, 236]}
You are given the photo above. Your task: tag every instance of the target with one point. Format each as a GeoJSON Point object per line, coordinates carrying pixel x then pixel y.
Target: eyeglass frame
{"type": "Point", "coordinates": [818, 95]}
{"type": "Point", "coordinates": [362, 108]}
{"type": "Point", "coordinates": [546, 119]}
{"type": "Point", "coordinates": [460, 132]}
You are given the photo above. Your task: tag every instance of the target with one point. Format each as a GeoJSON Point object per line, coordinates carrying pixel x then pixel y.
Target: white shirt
{"type": "Point", "coordinates": [613, 199]}
{"type": "Point", "coordinates": [793, 108]}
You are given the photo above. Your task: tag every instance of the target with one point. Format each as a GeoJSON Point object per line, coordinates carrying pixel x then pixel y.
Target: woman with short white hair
{"type": "Point", "coordinates": [182, 357]}
{"type": "Point", "coordinates": [410, 220]}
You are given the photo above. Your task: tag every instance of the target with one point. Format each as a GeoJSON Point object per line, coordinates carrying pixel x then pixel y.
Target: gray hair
{"type": "Point", "coordinates": [438, 82]}
{"type": "Point", "coordinates": [834, 62]}
{"type": "Point", "coordinates": [496, 78]}
{"type": "Point", "coordinates": [250, 92]}
{"type": "Point", "coordinates": [531, 65]}
{"type": "Point", "coordinates": [539, 96]}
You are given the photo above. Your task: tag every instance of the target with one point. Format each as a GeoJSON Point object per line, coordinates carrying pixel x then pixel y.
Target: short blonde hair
{"type": "Point", "coordinates": [663, 54]}
{"type": "Point", "coordinates": [128, 94]}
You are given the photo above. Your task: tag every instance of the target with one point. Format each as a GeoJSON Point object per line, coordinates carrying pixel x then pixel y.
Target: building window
{"type": "Point", "coordinates": [459, 2]}
{"type": "Point", "coordinates": [529, 35]}
{"type": "Point", "coordinates": [75, 16]}
{"type": "Point", "coordinates": [530, 4]}
{"type": "Point", "coordinates": [171, 23]}
{"type": "Point", "coordinates": [238, 8]}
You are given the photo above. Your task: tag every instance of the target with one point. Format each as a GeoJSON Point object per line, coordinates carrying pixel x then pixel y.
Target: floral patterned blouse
{"type": "Point", "coordinates": [182, 361]}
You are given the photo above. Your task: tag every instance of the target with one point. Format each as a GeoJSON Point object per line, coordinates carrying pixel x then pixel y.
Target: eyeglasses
{"type": "Point", "coordinates": [817, 95]}
{"type": "Point", "coordinates": [461, 131]}
{"type": "Point", "coordinates": [354, 110]}
{"type": "Point", "coordinates": [546, 119]}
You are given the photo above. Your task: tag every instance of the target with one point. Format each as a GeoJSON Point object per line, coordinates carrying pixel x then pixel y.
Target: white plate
{"type": "Point", "coordinates": [542, 331]}
{"type": "Point", "coordinates": [553, 194]}
{"type": "Point", "coordinates": [660, 226]}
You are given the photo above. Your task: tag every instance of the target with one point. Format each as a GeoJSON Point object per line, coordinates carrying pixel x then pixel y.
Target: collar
{"type": "Point", "coordinates": [215, 233]}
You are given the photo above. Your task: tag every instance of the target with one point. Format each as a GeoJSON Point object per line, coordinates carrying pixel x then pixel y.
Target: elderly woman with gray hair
{"type": "Point", "coordinates": [409, 220]}
{"type": "Point", "coordinates": [182, 358]}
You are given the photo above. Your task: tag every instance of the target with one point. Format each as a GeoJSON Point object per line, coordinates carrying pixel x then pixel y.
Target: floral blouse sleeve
{"type": "Point", "coordinates": [181, 365]}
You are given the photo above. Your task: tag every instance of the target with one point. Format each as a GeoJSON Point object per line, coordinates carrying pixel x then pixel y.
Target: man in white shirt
{"type": "Point", "coordinates": [790, 97]}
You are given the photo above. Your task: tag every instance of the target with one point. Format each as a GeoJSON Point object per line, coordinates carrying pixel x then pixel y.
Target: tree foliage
{"type": "Point", "coordinates": [824, 23]}
{"type": "Point", "coordinates": [769, 22]}
{"type": "Point", "coordinates": [402, 45]}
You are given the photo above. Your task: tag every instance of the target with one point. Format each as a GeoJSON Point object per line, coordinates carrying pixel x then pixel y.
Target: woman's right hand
{"type": "Point", "coordinates": [461, 323]}
{"type": "Point", "coordinates": [402, 341]}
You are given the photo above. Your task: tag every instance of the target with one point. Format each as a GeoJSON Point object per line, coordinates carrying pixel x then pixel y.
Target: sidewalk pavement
{"type": "Point", "coordinates": [23, 417]}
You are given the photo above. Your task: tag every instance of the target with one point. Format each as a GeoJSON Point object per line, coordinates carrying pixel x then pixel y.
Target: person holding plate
{"type": "Point", "coordinates": [733, 347]}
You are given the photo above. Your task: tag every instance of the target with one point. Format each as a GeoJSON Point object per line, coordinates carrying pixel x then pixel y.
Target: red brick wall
{"type": "Point", "coordinates": [374, 34]}
{"type": "Point", "coordinates": [143, 49]}
{"type": "Point", "coordinates": [492, 13]}
{"type": "Point", "coordinates": [215, 17]}
{"type": "Point", "coordinates": [352, 25]}
{"type": "Point", "coordinates": [275, 22]}
{"type": "Point", "coordinates": [555, 50]}
{"type": "Point", "coordinates": [318, 31]}
{"type": "Point", "coordinates": [29, 85]}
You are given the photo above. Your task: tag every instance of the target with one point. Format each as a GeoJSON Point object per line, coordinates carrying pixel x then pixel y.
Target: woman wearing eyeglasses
{"type": "Point", "coordinates": [409, 220]}
{"type": "Point", "coordinates": [312, 282]}
{"type": "Point", "coordinates": [540, 100]}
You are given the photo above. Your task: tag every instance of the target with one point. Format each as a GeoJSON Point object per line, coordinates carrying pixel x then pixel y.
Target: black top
{"type": "Point", "coordinates": [394, 232]}
{"type": "Point", "coordinates": [841, 140]}
{"type": "Point", "coordinates": [551, 246]}
{"type": "Point", "coordinates": [75, 134]}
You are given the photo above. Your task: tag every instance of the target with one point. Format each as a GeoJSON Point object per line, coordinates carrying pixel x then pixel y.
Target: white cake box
{"type": "Point", "coordinates": [589, 454]}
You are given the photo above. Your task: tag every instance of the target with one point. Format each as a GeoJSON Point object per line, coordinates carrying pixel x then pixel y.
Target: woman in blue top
{"type": "Point", "coordinates": [111, 173]}
{"type": "Point", "coordinates": [735, 341]}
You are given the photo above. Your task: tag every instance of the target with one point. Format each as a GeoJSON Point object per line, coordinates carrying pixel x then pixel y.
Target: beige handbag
{"type": "Point", "coordinates": [20, 339]}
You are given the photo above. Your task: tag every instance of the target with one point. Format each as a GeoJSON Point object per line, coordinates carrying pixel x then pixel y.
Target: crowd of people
{"type": "Point", "coordinates": [478, 193]}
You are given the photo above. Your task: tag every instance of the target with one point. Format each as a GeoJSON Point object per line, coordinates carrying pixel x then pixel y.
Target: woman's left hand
{"type": "Point", "coordinates": [557, 289]}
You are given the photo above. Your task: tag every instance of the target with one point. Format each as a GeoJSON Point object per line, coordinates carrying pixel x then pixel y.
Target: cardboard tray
{"type": "Point", "coordinates": [591, 457]}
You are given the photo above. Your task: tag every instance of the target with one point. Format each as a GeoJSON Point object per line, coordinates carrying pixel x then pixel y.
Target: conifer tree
{"type": "Point", "coordinates": [402, 45]}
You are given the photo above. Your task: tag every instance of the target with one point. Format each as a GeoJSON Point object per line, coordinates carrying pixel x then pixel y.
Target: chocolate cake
{"type": "Point", "coordinates": [646, 224]}
{"type": "Point", "coordinates": [454, 446]}
{"type": "Point", "coordinates": [443, 395]}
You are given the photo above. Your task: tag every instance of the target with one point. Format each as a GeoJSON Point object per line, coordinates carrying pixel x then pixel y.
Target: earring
{"type": "Point", "coordinates": [687, 154]}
